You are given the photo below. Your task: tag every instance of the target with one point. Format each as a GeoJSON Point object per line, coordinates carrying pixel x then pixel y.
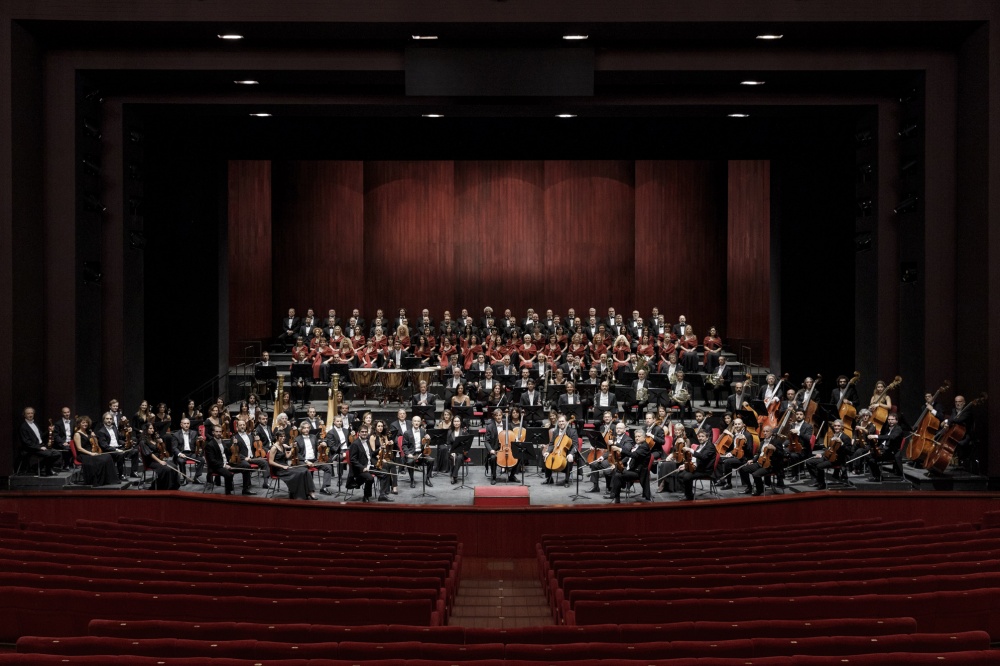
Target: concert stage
{"type": "Point", "coordinates": [500, 532]}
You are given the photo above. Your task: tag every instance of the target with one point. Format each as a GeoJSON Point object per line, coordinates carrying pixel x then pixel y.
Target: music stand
{"type": "Point", "coordinates": [626, 377]}
{"type": "Point", "coordinates": [425, 412]}
{"type": "Point", "coordinates": [534, 436]}
{"type": "Point", "coordinates": [658, 396]}
{"type": "Point", "coordinates": [342, 369]}
{"type": "Point", "coordinates": [302, 371]}
{"type": "Point", "coordinates": [576, 410]}
{"type": "Point", "coordinates": [587, 392]}
{"type": "Point", "coordinates": [697, 381]}
{"type": "Point", "coordinates": [266, 374]}
{"type": "Point", "coordinates": [411, 362]}
{"type": "Point", "coordinates": [465, 412]}
{"type": "Point", "coordinates": [553, 392]}
{"type": "Point", "coordinates": [461, 447]}
{"type": "Point", "coordinates": [658, 380]}
{"type": "Point", "coordinates": [532, 414]}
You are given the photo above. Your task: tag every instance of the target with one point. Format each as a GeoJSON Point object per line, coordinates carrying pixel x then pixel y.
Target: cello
{"type": "Point", "coordinates": [880, 412]}
{"type": "Point", "coordinates": [922, 440]}
{"type": "Point", "coordinates": [943, 453]}
{"type": "Point", "coordinates": [556, 461]}
{"type": "Point", "coordinates": [724, 444]}
{"type": "Point", "coordinates": [505, 456]}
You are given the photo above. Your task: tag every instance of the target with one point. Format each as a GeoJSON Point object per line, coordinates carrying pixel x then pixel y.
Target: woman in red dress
{"type": "Point", "coordinates": [322, 353]}
{"type": "Point", "coordinates": [446, 353]}
{"type": "Point", "coordinates": [713, 349]}
{"type": "Point", "coordinates": [552, 348]}
{"type": "Point", "coordinates": [577, 348]}
{"type": "Point", "coordinates": [622, 350]}
{"type": "Point", "coordinates": [380, 339]}
{"type": "Point", "coordinates": [422, 350]}
{"type": "Point", "coordinates": [472, 351]}
{"type": "Point", "coordinates": [598, 348]}
{"type": "Point", "coordinates": [647, 350]}
{"type": "Point", "coordinates": [403, 335]}
{"type": "Point", "coordinates": [527, 351]}
{"type": "Point", "coordinates": [689, 349]}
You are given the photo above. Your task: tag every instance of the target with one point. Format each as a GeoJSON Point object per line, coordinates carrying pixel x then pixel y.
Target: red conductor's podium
{"type": "Point", "coordinates": [507, 495]}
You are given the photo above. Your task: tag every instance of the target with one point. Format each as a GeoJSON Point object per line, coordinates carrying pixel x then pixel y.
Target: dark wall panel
{"type": "Point", "coordinates": [409, 210]}
{"type": "Point", "coordinates": [748, 292]}
{"type": "Point", "coordinates": [249, 253]}
{"type": "Point", "coordinates": [499, 230]}
{"type": "Point", "coordinates": [589, 235]}
{"type": "Point", "coordinates": [680, 241]}
{"type": "Point", "coordinates": [317, 234]}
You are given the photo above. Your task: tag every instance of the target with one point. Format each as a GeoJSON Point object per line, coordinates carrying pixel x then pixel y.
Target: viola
{"type": "Point", "coordinates": [95, 447]}
{"type": "Point", "coordinates": [739, 441]}
{"type": "Point", "coordinates": [764, 459]}
{"type": "Point", "coordinates": [199, 446]}
{"type": "Point", "coordinates": [234, 456]}
{"type": "Point", "coordinates": [832, 447]}
{"type": "Point", "coordinates": [258, 448]}
{"type": "Point", "coordinates": [323, 453]}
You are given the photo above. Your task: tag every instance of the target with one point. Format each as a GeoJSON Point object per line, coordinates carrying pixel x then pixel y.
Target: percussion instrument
{"type": "Point", "coordinates": [364, 381]}
{"type": "Point", "coordinates": [391, 383]}
{"type": "Point", "coordinates": [418, 375]}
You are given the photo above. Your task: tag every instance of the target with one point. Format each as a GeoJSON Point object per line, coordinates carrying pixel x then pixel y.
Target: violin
{"type": "Point", "coordinates": [199, 446]}
{"type": "Point", "coordinates": [764, 459]}
{"type": "Point", "coordinates": [161, 449]}
{"type": "Point", "coordinates": [52, 429]}
{"type": "Point", "coordinates": [725, 443]}
{"type": "Point", "coordinates": [95, 447]}
{"type": "Point", "coordinates": [258, 448]}
{"type": "Point", "coordinates": [234, 453]}
{"type": "Point", "coordinates": [615, 459]}
{"type": "Point", "coordinates": [681, 456]}
{"type": "Point", "coordinates": [323, 453]}
{"type": "Point", "coordinates": [294, 459]}
{"type": "Point", "coordinates": [426, 441]}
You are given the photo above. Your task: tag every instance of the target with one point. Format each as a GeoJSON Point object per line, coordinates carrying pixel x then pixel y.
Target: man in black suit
{"type": "Point", "coordinates": [887, 444]}
{"type": "Point", "coordinates": [62, 434]}
{"type": "Point", "coordinates": [363, 468]}
{"type": "Point", "coordinates": [216, 458]}
{"type": "Point", "coordinates": [492, 444]}
{"type": "Point", "coordinates": [110, 442]}
{"type": "Point", "coordinates": [723, 377]}
{"type": "Point", "coordinates": [569, 399]}
{"type": "Point", "coordinates": [759, 472]}
{"type": "Point", "coordinates": [487, 322]}
{"type": "Point", "coordinates": [413, 447]}
{"type": "Point", "coordinates": [37, 444]}
{"type": "Point", "coordinates": [734, 402]}
{"type": "Point", "coordinates": [639, 397]}
{"type": "Point", "coordinates": [394, 359]}
{"type": "Point", "coordinates": [338, 439]}
{"type": "Point", "coordinates": [184, 445]}
{"type": "Point", "coordinates": [569, 319]}
{"type": "Point", "coordinates": [573, 457]}
{"type": "Point", "coordinates": [679, 389]}
{"type": "Point", "coordinates": [847, 390]}
{"type": "Point", "coordinates": [451, 386]}
{"type": "Point", "coordinates": [659, 437]}
{"type": "Point", "coordinates": [635, 459]}
{"type": "Point", "coordinates": [818, 464]}
{"type": "Point", "coordinates": [308, 452]}
{"type": "Point", "coordinates": [803, 430]}
{"type": "Point", "coordinates": [704, 460]}
{"type": "Point", "coordinates": [289, 329]}
{"type": "Point", "coordinates": [680, 326]}
{"type": "Point", "coordinates": [244, 441]}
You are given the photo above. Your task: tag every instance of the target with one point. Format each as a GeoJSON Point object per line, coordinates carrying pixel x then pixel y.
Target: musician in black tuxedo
{"type": "Point", "coordinates": [184, 447]}
{"type": "Point", "coordinates": [216, 458]}
{"type": "Point", "coordinates": [704, 459]}
{"type": "Point", "coordinates": [569, 399]}
{"type": "Point", "coordinates": [601, 467]}
{"type": "Point", "coordinates": [723, 377]}
{"type": "Point", "coordinates": [573, 457]}
{"type": "Point", "coordinates": [803, 430]}
{"type": "Point", "coordinates": [659, 437]}
{"type": "Point", "coordinates": [639, 397]}
{"type": "Point", "coordinates": [338, 439]}
{"type": "Point", "coordinates": [110, 442]}
{"type": "Point", "coordinates": [308, 452]}
{"type": "Point", "coordinates": [818, 464]}
{"type": "Point", "coordinates": [452, 384]}
{"type": "Point", "coordinates": [244, 441]}
{"type": "Point", "coordinates": [363, 468]}
{"type": "Point", "coordinates": [62, 433]}
{"type": "Point", "coordinates": [681, 326]}
{"type": "Point", "coordinates": [769, 442]}
{"type": "Point", "coordinates": [492, 444]}
{"type": "Point", "coordinates": [413, 449]}
{"type": "Point", "coordinates": [289, 328]}
{"type": "Point", "coordinates": [35, 442]}
{"type": "Point", "coordinates": [635, 459]}
{"type": "Point", "coordinates": [676, 389]}
{"type": "Point", "coordinates": [734, 402]}
{"type": "Point", "coordinates": [888, 444]}
{"type": "Point", "coordinates": [505, 368]}
{"type": "Point", "coordinates": [845, 388]}
{"type": "Point", "coordinates": [394, 358]}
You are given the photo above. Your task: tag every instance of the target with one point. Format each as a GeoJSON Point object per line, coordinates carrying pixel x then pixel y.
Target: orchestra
{"type": "Point", "coordinates": [633, 382]}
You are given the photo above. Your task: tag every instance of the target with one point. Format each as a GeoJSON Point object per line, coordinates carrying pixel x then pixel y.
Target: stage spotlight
{"type": "Point", "coordinates": [575, 38]}
{"type": "Point", "coordinates": [866, 171]}
{"type": "Point", "coordinates": [231, 37]}
{"type": "Point", "coordinates": [906, 205]}
{"type": "Point", "coordinates": [135, 136]}
{"type": "Point", "coordinates": [93, 95]}
{"type": "Point", "coordinates": [908, 272]}
{"type": "Point", "coordinates": [908, 130]}
{"type": "Point", "coordinates": [92, 203]}
{"type": "Point", "coordinates": [137, 240]}
{"type": "Point", "coordinates": [863, 138]}
{"type": "Point", "coordinates": [91, 129]}
{"type": "Point", "coordinates": [90, 165]}
{"type": "Point", "coordinates": [865, 207]}
{"type": "Point", "coordinates": [92, 272]}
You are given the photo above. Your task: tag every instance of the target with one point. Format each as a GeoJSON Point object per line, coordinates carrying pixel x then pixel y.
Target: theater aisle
{"type": "Point", "coordinates": [500, 594]}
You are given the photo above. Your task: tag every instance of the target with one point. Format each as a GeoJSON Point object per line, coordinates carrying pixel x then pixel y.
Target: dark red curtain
{"type": "Point", "coordinates": [748, 292]}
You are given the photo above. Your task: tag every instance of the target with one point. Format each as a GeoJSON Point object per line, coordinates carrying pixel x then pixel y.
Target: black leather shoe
{"type": "Point", "coordinates": [513, 479]}
{"type": "Point", "coordinates": [747, 491]}
{"type": "Point", "coordinates": [617, 501]}
{"type": "Point", "coordinates": [413, 484]}
{"type": "Point", "coordinates": [249, 492]}
{"type": "Point", "coordinates": [454, 480]}
{"type": "Point", "coordinates": [429, 484]}
{"type": "Point", "coordinates": [493, 482]}
{"type": "Point", "coordinates": [197, 482]}
{"type": "Point", "coordinates": [326, 491]}
{"type": "Point", "coordinates": [384, 498]}
{"type": "Point", "coordinates": [756, 494]}
{"type": "Point", "coordinates": [595, 489]}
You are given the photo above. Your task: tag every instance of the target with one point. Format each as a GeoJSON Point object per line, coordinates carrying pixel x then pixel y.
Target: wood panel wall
{"type": "Point", "coordinates": [748, 294]}
{"type": "Point", "coordinates": [516, 233]}
{"type": "Point", "coordinates": [680, 241]}
{"type": "Point", "coordinates": [249, 251]}
{"type": "Point", "coordinates": [318, 237]}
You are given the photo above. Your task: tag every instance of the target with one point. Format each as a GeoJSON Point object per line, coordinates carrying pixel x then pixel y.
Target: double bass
{"type": "Point", "coordinates": [921, 442]}
{"type": "Point", "coordinates": [813, 402]}
{"type": "Point", "coordinates": [943, 453]}
{"type": "Point", "coordinates": [772, 409]}
{"type": "Point", "coordinates": [880, 412]}
{"type": "Point", "coordinates": [845, 413]}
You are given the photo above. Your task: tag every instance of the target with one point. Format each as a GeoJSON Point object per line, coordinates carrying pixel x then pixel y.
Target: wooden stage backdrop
{"type": "Point", "coordinates": [691, 237]}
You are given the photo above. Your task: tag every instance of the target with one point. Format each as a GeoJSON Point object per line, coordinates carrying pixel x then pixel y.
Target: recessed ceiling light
{"type": "Point", "coordinates": [769, 36]}
{"type": "Point", "coordinates": [751, 83]}
{"type": "Point", "coordinates": [739, 115]}
{"type": "Point", "coordinates": [433, 115]}
{"type": "Point", "coordinates": [424, 36]}
{"type": "Point", "coordinates": [261, 115]}
{"type": "Point", "coordinates": [246, 82]}
{"type": "Point", "coordinates": [230, 36]}
{"type": "Point", "coordinates": [575, 37]}
{"type": "Point", "coordinates": [565, 115]}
